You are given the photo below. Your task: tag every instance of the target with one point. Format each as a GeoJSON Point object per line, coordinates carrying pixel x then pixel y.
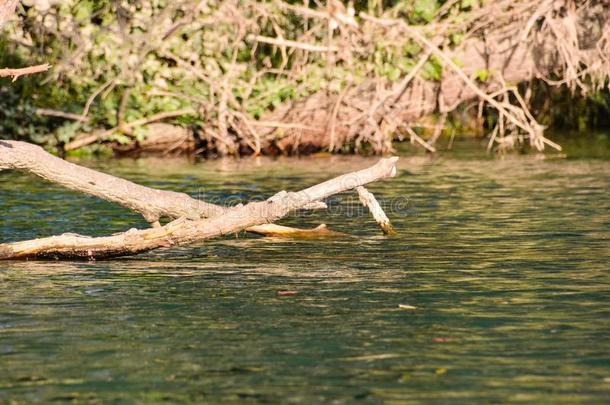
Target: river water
{"type": "Point", "coordinates": [496, 289]}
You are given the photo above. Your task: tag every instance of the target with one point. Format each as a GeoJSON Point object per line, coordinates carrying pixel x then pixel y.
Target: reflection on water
{"type": "Point", "coordinates": [505, 262]}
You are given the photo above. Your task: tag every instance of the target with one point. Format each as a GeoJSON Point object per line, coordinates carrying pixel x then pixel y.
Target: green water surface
{"type": "Point", "coordinates": [505, 259]}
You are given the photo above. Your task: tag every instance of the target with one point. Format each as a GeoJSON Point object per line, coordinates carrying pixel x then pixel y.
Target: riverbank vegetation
{"type": "Point", "coordinates": [286, 77]}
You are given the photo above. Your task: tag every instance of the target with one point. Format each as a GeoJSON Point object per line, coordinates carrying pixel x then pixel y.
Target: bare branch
{"type": "Point", "coordinates": [293, 44]}
{"type": "Point", "coordinates": [89, 139]}
{"type": "Point", "coordinates": [368, 200]}
{"type": "Point", "coordinates": [60, 114]}
{"type": "Point", "coordinates": [151, 203]}
{"type": "Point", "coordinates": [17, 73]}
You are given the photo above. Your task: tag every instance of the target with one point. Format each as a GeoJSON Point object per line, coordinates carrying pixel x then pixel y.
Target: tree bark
{"type": "Point", "coordinates": [151, 203]}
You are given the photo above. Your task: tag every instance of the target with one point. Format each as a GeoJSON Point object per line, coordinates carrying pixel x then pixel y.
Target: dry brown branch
{"type": "Point", "coordinates": [17, 73]}
{"type": "Point", "coordinates": [531, 128]}
{"type": "Point", "coordinates": [85, 140]}
{"type": "Point", "coordinates": [492, 43]}
{"type": "Point", "coordinates": [418, 139]}
{"type": "Point", "coordinates": [277, 124]}
{"type": "Point", "coordinates": [184, 231]}
{"type": "Point", "coordinates": [333, 119]}
{"type": "Point", "coordinates": [305, 11]}
{"type": "Point", "coordinates": [159, 117]}
{"type": "Point", "coordinates": [109, 84]}
{"type": "Point", "coordinates": [559, 41]}
{"type": "Point", "coordinates": [438, 129]}
{"type": "Point", "coordinates": [274, 230]}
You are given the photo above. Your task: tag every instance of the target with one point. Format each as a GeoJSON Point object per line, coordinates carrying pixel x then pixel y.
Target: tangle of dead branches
{"type": "Point", "coordinates": [276, 77]}
{"type": "Point", "coordinates": [518, 40]}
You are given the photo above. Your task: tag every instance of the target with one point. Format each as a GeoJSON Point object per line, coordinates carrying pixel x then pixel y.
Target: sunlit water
{"type": "Point", "coordinates": [506, 261]}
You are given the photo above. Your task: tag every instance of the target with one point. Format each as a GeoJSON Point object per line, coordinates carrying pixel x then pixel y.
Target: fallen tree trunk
{"type": "Point", "coordinates": [151, 203]}
{"type": "Point", "coordinates": [184, 231]}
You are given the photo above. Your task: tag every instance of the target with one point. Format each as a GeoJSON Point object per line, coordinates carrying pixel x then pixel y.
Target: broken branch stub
{"type": "Point", "coordinates": [17, 73]}
{"type": "Point", "coordinates": [368, 200]}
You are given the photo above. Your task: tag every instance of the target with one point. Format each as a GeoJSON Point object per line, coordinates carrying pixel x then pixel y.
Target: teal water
{"type": "Point", "coordinates": [505, 259]}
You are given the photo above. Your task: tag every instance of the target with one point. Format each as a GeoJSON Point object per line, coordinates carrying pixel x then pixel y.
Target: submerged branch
{"type": "Point", "coordinates": [152, 204]}
{"type": "Point", "coordinates": [368, 200]}
{"type": "Point", "coordinates": [184, 231]}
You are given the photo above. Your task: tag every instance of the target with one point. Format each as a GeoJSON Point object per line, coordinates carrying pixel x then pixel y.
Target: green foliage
{"type": "Point", "coordinates": [481, 75]}
{"type": "Point", "coordinates": [432, 69]}
{"type": "Point", "coordinates": [136, 59]}
{"type": "Point", "coordinates": [425, 9]}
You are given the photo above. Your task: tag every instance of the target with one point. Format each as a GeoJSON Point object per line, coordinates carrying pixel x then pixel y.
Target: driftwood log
{"type": "Point", "coordinates": [193, 220]}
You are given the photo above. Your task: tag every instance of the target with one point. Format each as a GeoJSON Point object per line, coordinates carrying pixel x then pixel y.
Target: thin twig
{"type": "Point", "coordinates": [293, 44]}
{"type": "Point", "coordinates": [438, 128]}
{"type": "Point", "coordinates": [60, 114]}
{"type": "Point", "coordinates": [96, 93]}
{"type": "Point", "coordinates": [17, 73]}
{"type": "Point", "coordinates": [419, 139]}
